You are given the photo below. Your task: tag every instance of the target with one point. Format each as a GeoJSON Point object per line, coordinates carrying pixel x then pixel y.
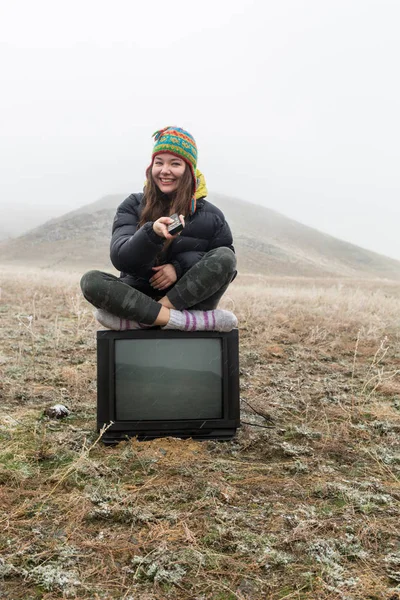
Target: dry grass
{"type": "Point", "coordinates": [303, 504]}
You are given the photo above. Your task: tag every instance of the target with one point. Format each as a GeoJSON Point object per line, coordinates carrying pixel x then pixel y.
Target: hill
{"type": "Point", "coordinates": [266, 242]}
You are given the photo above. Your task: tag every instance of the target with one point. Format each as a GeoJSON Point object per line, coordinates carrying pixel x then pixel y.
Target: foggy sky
{"type": "Point", "coordinates": [294, 105]}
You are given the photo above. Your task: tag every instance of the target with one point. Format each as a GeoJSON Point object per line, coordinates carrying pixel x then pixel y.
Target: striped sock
{"type": "Point", "coordinates": [201, 320]}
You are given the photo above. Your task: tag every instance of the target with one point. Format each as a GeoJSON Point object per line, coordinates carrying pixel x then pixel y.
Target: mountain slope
{"type": "Point", "coordinates": [266, 242]}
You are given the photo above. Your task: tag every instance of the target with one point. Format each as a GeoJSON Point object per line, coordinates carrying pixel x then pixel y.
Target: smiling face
{"type": "Point", "coordinates": [167, 171]}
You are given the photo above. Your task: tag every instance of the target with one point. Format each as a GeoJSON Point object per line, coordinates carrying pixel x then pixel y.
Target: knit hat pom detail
{"type": "Point", "coordinates": [157, 134]}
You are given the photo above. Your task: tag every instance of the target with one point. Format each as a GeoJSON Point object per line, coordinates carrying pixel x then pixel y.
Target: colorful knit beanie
{"type": "Point", "coordinates": [181, 143]}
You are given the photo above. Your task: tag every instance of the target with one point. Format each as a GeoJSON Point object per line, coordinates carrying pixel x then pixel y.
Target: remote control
{"type": "Point", "coordinates": [176, 226]}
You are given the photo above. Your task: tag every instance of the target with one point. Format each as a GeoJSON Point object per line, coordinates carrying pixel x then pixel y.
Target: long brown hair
{"type": "Point", "coordinates": [159, 205]}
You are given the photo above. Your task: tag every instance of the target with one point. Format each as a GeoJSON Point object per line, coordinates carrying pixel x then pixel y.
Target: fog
{"type": "Point", "coordinates": [294, 105]}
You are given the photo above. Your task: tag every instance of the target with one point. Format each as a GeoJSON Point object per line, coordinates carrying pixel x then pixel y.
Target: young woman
{"type": "Point", "coordinates": [172, 281]}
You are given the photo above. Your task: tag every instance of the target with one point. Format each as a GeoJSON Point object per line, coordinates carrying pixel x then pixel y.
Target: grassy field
{"type": "Point", "coordinates": [304, 503]}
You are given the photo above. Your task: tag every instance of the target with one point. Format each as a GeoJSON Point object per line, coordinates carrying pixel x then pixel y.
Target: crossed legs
{"type": "Point", "coordinates": [199, 289]}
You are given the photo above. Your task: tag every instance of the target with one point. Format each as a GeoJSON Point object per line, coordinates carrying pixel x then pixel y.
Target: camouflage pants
{"type": "Point", "coordinates": [200, 288]}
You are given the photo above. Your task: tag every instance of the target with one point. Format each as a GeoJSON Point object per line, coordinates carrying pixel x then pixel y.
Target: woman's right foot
{"type": "Point", "coordinates": [112, 322]}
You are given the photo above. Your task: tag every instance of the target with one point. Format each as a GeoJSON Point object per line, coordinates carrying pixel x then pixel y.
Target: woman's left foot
{"type": "Point", "coordinates": [202, 320]}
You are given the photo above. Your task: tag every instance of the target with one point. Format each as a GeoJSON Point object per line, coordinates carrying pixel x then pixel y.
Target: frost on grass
{"type": "Point", "coordinates": [388, 456]}
{"type": "Point", "coordinates": [303, 431]}
{"type": "Point", "coordinates": [53, 576]}
{"type": "Point", "coordinates": [120, 514]}
{"type": "Point", "coordinates": [298, 467]}
{"type": "Point", "coordinates": [165, 565]}
{"type": "Point", "coordinates": [293, 450]}
{"type": "Point", "coordinates": [8, 569]}
{"type": "Point", "coordinates": [362, 496]}
{"type": "Point", "coordinates": [330, 553]}
{"type": "Point", "coordinates": [276, 558]}
{"type": "Point", "coordinates": [50, 576]}
{"type": "Point", "coordinates": [248, 542]}
{"type": "Point", "coordinates": [241, 531]}
{"type": "Point", "coordinates": [116, 506]}
{"type": "Point", "coordinates": [392, 562]}
{"type": "Point", "coordinates": [385, 427]}
{"type": "Point", "coordinates": [328, 556]}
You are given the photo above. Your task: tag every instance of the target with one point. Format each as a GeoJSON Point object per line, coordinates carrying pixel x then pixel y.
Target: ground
{"type": "Point", "coordinates": [303, 504]}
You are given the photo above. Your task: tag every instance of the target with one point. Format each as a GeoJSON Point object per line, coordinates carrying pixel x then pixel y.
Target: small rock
{"type": "Point", "coordinates": [58, 411]}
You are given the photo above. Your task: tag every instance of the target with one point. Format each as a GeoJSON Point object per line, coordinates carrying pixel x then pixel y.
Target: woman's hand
{"type": "Point", "coordinates": [160, 227]}
{"type": "Point", "coordinates": [164, 277]}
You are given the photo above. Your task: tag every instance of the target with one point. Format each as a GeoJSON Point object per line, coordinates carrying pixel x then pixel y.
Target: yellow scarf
{"type": "Point", "coordinates": [201, 190]}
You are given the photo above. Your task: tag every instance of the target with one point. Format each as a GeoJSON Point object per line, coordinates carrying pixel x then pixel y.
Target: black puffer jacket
{"type": "Point", "coordinates": [135, 251]}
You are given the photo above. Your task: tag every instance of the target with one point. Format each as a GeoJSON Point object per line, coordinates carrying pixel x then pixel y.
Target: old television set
{"type": "Point", "coordinates": [156, 383]}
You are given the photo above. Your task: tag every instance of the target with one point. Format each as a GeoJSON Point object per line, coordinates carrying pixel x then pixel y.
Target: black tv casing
{"type": "Point", "coordinates": [223, 428]}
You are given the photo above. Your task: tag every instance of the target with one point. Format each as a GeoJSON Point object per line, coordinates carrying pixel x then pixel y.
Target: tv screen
{"type": "Point", "coordinates": [155, 382]}
{"type": "Point", "coordinates": [168, 379]}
